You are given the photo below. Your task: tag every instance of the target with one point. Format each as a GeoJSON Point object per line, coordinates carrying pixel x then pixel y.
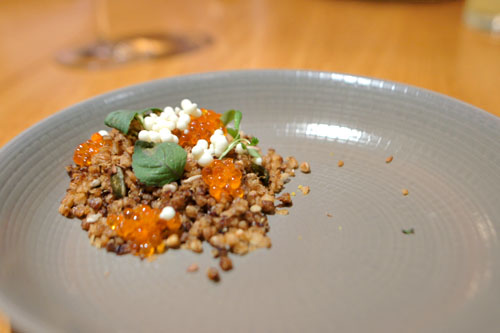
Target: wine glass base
{"type": "Point", "coordinates": [110, 53]}
{"type": "Point", "coordinates": [483, 21]}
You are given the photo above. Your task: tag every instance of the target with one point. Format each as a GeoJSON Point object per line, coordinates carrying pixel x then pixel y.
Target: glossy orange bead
{"type": "Point", "coordinates": [200, 128]}
{"type": "Point", "coordinates": [142, 228]}
{"type": "Point", "coordinates": [84, 152]}
{"type": "Point", "coordinates": [223, 178]}
{"type": "Point", "coordinates": [175, 223]}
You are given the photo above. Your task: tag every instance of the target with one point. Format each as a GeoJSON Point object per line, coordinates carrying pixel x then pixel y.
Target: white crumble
{"type": "Point", "coordinates": [158, 128]}
{"type": "Point", "coordinates": [239, 149]}
{"type": "Point", "coordinates": [167, 213]}
{"type": "Point", "coordinates": [103, 133]}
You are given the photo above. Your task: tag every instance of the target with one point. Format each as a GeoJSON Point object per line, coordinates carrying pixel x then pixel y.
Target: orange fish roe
{"type": "Point", "coordinates": [143, 228]}
{"type": "Point", "coordinates": [223, 178]}
{"type": "Point", "coordinates": [84, 152]}
{"type": "Point", "coordinates": [200, 128]}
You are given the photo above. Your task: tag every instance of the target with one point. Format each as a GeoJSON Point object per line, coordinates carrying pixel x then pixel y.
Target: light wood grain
{"type": "Point", "coordinates": [4, 324]}
{"type": "Point", "coordinates": [422, 44]}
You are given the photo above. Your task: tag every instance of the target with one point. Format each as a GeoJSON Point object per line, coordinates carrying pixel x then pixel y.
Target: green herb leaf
{"type": "Point", "coordinates": [118, 184]}
{"type": "Point", "coordinates": [408, 231]}
{"type": "Point", "coordinates": [229, 148]}
{"type": "Point", "coordinates": [254, 141]}
{"type": "Point", "coordinates": [252, 151]}
{"type": "Point", "coordinates": [122, 119]}
{"type": "Point", "coordinates": [236, 116]}
{"type": "Point", "coordinates": [158, 164]}
{"type": "Point", "coordinates": [232, 115]}
{"type": "Point", "coordinates": [234, 133]}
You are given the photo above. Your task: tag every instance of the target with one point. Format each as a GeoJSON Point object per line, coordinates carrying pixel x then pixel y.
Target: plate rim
{"type": "Point", "coordinates": [316, 74]}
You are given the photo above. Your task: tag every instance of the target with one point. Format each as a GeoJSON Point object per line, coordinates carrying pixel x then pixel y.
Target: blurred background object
{"type": "Point", "coordinates": [483, 14]}
{"type": "Point", "coordinates": [128, 31]}
{"type": "Point", "coordinates": [423, 44]}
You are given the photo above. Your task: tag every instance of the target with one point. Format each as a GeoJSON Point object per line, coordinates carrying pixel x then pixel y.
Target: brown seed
{"type": "Point", "coordinates": [255, 208]}
{"type": "Point", "coordinates": [389, 159]}
{"type": "Point", "coordinates": [341, 163]}
{"type": "Point", "coordinates": [282, 212]}
{"type": "Point", "coordinates": [285, 198]}
{"type": "Point", "coordinates": [305, 190]}
{"type": "Point", "coordinates": [225, 263]}
{"type": "Point", "coordinates": [192, 268]}
{"type": "Point", "coordinates": [405, 192]}
{"type": "Point", "coordinates": [231, 239]}
{"type": "Point", "coordinates": [217, 240]}
{"type": "Point", "coordinates": [292, 162]}
{"type": "Point", "coordinates": [195, 245]}
{"type": "Point", "coordinates": [305, 167]}
{"type": "Point", "coordinates": [215, 253]}
{"type": "Point", "coordinates": [329, 215]}
{"type": "Point", "coordinates": [268, 206]}
{"type": "Point", "coordinates": [173, 241]}
{"type": "Point", "coordinates": [213, 274]}
{"type": "Point", "coordinates": [240, 248]}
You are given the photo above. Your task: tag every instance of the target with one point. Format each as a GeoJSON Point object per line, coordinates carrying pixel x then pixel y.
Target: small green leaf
{"type": "Point", "coordinates": [229, 148]}
{"type": "Point", "coordinates": [118, 184]}
{"type": "Point", "coordinates": [122, 119]}
{"type": "Point", "coordinates": [254, 141]}
{"type": "Point", "coordinates": [234, 133]}
{"type": "Point", "coordinates": [237, 120]}
{"type": "Point", "coordinates": [232, 115]}
{"type": "Point", "coordinates": [158, 164]}
{"type": "Point", "coordinates": [408, 231]}
{"type": "Point", "coordinates": [253, 152]}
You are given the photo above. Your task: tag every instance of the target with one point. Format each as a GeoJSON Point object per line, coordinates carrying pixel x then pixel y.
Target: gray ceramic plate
{"type": "Point", "coordinates": [355, 271]}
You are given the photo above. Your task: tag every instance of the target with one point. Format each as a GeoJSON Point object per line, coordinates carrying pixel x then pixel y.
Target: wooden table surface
{"type": "Point", "coordinates": [422, 44]}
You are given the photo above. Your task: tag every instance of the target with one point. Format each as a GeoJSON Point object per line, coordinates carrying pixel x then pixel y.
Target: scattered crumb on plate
{"type": "Point", "coordinates": [410, 231]}
{"type": "Point", "coordinates": [192, 268]}
{"type": "Point", "coordinates": [305, 190]}
{"type": "Point", "coordinates": [225, 263]}
{"type": "Point", "coordinates": [282, 212]}
{"type": "Point", "coordinates": [305, 167]}
{"type": "Point", "coordinates": [213, 274]}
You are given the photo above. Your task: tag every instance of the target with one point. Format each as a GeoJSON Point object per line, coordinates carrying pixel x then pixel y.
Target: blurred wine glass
{"type": "Point", "coordinates": [483, 14]}
{"type": "Point", "coordinates": [108, 50]}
